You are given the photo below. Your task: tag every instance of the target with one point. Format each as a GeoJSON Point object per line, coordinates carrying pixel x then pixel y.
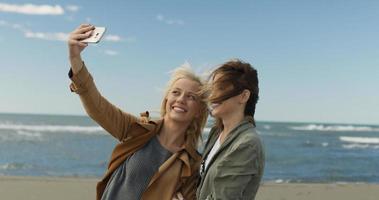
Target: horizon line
{"type": "Point", "coordinates": [259, 121]}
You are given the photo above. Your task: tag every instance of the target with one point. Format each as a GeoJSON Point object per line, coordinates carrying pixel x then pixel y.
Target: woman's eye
{"type": "Point", "coordinates": [191, 97]}
{"type": "Point", "coordinates": [175, 92]}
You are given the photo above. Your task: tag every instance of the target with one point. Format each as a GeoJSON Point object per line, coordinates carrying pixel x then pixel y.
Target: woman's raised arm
{"type": "Point", "coordinates": [110, 117]}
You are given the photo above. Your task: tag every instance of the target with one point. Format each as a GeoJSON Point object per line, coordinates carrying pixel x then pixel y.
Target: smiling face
{"type": "Point", "coordinates": [182, 103]}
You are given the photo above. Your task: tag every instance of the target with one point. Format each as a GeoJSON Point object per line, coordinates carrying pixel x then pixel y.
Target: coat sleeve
{"type": "Point", "coordinates": [235, 172]}
{"type": "Point", "coordinates": [107, 115]}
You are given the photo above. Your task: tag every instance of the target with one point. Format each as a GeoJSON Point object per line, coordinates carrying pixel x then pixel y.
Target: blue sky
{"type": "Point", "coordinates": [318, 61]}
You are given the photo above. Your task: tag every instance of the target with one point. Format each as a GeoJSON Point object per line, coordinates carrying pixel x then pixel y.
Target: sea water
{"type": "Point", "coordinates": [75, 146]}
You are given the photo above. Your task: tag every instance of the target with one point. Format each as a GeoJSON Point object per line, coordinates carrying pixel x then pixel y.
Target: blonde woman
{"type": "Point", "coordinates": [154, 159]}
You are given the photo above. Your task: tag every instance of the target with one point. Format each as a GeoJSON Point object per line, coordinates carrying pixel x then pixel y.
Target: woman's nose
{"type": "Point", "coordinates": [181, 98]}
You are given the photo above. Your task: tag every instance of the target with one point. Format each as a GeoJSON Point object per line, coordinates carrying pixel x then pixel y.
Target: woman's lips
{"type": "Point", "coordinates": [179, 109]}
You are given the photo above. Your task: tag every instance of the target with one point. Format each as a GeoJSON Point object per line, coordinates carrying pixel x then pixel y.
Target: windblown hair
{"type": "Point", "coordinates": [193, 133]}
{"type": "Point", "coordinates": [238, 76]}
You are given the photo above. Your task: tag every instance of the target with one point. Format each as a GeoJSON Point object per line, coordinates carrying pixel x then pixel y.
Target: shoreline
{"type": "Point", "coordinates": [41, 188]}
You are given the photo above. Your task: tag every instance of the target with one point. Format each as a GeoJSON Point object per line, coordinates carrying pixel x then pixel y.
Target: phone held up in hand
{"type": "Point", "coordinates": [96, 35]}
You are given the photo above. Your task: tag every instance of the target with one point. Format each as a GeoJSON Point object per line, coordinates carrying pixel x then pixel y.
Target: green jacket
{"type": "Point", "coordinates": [236, 169]}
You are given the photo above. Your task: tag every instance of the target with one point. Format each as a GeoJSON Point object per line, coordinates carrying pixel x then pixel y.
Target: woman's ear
{"type": "Point", "coordinates": [245, 95]}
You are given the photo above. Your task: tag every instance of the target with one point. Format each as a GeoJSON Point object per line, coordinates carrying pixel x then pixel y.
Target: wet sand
{"type": "Point", "coordinates": [36, 188]}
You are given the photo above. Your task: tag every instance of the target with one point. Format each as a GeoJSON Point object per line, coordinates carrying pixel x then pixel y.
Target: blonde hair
{"type": "Point", "coordinates": [193, 132]}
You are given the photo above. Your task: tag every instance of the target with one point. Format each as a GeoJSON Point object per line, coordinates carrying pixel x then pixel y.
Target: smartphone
{"type": "Point", "coordinates": [96, 35]}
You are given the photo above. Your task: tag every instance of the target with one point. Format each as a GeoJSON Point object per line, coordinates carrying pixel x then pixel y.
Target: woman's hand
{"type": "Point", "coordinates": [178, 196]}
{"type": "Point", "coordinates": [75, 46]}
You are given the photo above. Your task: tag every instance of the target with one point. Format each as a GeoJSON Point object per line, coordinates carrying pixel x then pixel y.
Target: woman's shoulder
{"type": "Point", "coordinates": [249, 137]}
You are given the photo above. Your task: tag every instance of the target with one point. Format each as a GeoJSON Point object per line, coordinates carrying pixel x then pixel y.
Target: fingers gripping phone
{"type": "Point", "coordinates": [96, 35]}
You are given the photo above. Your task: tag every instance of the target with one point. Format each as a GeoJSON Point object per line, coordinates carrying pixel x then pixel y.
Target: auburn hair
{"type": "Point", "coordinates": [238, 76]}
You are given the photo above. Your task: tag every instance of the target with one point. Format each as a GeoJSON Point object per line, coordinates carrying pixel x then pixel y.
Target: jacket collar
{"type": "Point", "coordinates": [214, 134]}
{"type": "Point", "coordinates": [242, 126]}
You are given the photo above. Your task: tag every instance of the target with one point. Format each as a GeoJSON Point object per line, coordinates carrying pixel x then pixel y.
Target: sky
{"type": "Point", "coordinates": [318, 61]}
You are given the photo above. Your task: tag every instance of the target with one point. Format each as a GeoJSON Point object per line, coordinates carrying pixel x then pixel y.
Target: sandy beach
{"type": "Point", "coordinates": [33, 188]}
{"type": "Point", "coordinates": [292, 191]}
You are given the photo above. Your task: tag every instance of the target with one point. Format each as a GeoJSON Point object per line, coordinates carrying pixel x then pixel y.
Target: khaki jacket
{"type": "Point", "coordinates": [177, 174]}
{"type": "Point", "coordinates": [236, 169]}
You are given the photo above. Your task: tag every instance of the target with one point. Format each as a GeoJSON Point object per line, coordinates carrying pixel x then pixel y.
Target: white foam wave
{"type": "Point", "coordinates": [22, 136]}
{"type": "Point", "coordinates": [315, 127]}
{"type": "Point", "coordinates": [279, 181]}
{"type": "Point", "coordinates": [325, 144]}
{"type": "Point", "coordinates": [360, 146]}
{"type": "Point", "coordinates": [360, 140]}
{"type": "Point", "coordinates": [29, 134]}
{"type": "Point", "coordinates": [282, 181]}
{"type": "Point", "coordinates": [51, 128]}
{"type": "Point", "coordinates": [267, 127]}
{"type": "Point", "coordinates": [13, 166]}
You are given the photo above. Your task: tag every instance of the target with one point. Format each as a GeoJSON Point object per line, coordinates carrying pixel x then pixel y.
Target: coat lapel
{"type": "Point", "coordinates": [230, 138]}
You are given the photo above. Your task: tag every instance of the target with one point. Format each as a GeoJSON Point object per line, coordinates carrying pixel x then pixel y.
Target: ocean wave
{"type": "Point", "coordinates": [29, 134]}
{"type": "Point", "coordinates": [22, 136]}
{"type": "Point", "coordinates": [266, 127]}
{"type": "Point", "coordinates": [325, 144]}
{"type": "Point", "coordinates": [280, 181]}
{"type": "Point", "coordinates": [14, 166]}
{"type": "Point", "coordinates": [361, 140]}
{"type": "Point", "coordinates": [344, 128]}
{"type": "Point", "coordinates": [360, 146]}
{"type": "Point", "coordinates": [308, 143]}
{"type": "Point", "coordinates": [51, 128]}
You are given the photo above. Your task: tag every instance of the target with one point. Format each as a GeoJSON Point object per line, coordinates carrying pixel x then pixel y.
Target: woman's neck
{"type": "Point", "coordinates": [230, 122]}
{"type": "Point", "coordinates": [172, 135]}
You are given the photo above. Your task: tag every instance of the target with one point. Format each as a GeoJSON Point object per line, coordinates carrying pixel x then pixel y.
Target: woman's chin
{"type": "Point", "coordinates": [179, 117]}
{"type": "Point", "coordinates": [215, 114]}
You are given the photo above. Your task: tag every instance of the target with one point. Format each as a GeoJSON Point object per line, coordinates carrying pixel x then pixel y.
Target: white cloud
{"type": "Point", "coordinates": [59, 36]}
{"type": "Point", "coordinates": [111, 52]}
{"type": "Point", "coordinates": [116, 38]}
{"type": "Point", "coordinates": [163, 19]}
{"type": "Point", "coordinates": [19, 27]}
{"type": "Point", "coordinates": [14, 26]}
{"type": "Point", "coordinates": [31, 9]}
{"type": "Point", "coordinates": [36, 35]}
{"type": "Point", "coordinates": [46, 36]}
{"type": "Point", "coordinates": [112, 38]}
{"type": "Point", "coordinates": [72, 8]}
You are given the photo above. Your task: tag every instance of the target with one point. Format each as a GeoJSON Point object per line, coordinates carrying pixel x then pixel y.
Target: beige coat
{"type": "Point", "coordinates": [177, 174]}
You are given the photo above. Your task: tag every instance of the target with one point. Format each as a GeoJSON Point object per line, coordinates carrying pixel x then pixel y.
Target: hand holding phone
{"type": "Point", "coordinates": [96, 35]}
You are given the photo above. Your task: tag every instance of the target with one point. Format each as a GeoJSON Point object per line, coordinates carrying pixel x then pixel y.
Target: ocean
{"type": "Point", "coordinates": [75, 146]}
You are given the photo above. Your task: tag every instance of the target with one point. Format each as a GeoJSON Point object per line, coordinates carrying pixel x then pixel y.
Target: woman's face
{"type": "Point", "coordinates": [225, 107]}
{"type": "Point", "coordinates": [183, 104]}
